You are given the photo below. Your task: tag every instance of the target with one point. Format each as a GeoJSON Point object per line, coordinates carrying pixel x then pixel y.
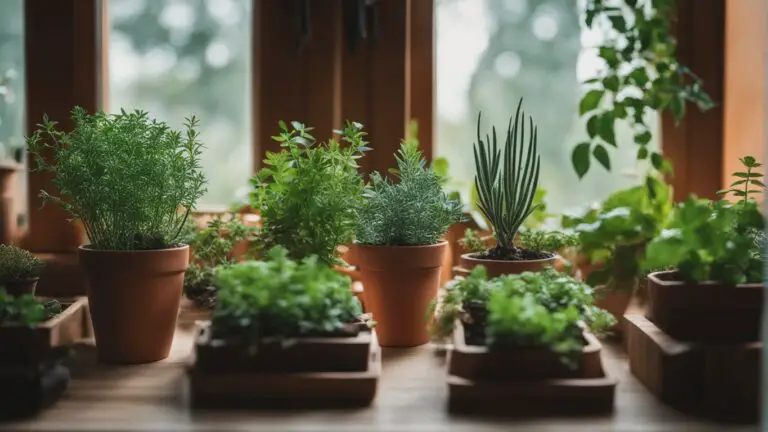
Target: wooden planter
{"type": "Point", "coordinates": [32, 345]}
{"type": "Point", "coordinates": [705, 312]}
{"type": "Point", "coordinates": [312, 372]}
{"type": "Point", "coordinates": [720, 382]}
{"type": "Point", "coordinates": [526, 381]}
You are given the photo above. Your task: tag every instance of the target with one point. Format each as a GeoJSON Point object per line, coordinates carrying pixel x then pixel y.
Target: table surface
{"type": "Point", "coordinates": [412, 396]}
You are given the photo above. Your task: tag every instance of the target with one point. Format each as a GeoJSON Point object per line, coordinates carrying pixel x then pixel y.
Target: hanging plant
{"type": "Point", "coordinates": [641, 73]}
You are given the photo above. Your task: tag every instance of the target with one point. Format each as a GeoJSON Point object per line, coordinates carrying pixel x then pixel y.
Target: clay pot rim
{"type": "Point", "coordinates": [658, 279]}
{"type": "Point", "coordinates": [86, 249]}
{"type": "Point", "coordinates": [32, 279]}
{"type": "Point", "coordinates": [467, 257]}
{"type": "Point", "coordinates": [435, 245]}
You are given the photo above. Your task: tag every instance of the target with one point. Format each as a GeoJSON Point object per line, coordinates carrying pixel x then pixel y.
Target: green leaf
{"type": "Point", "coordinates": [606, 130]}
{"type": "Point", "coordinates": [440, 166]}
{"type": "Point", "coordinates": [611, 83]}
{"type": "Point", "coordinates": [643, 138]}
{"type": "Point", "coordinates": [639, 76]}
{"type": "Point", "coordinates": [580, 159]}
{"type": "Point", "coordinates": [609, 55]}
{"type": "Point", "coordinates": [590, 101]}
{"type": "Point", "coordinates": [601, 154]}
{"type": "Point", "coordinates": [642, 153]}
{"type": "Point", "coordinates": [757, 183]}
{"type": "Point", "coordinates": [619, 110]}
{"type": "Point", "coordinates": [592, 125]}
{"type": "Point", "coordinates": [618, 23]}
{"type": "Point", "coordinates": [657, 160]}
{"type": "Point", "coordinates": [677, 106]}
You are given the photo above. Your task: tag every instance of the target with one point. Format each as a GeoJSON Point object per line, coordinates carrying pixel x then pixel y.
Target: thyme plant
{"type": "Point", "coordinates": [18, 265]}
{"type": "Point", "coordinates": [308, 192]}
{"type": "Point", "coordinates": [413, 211]}
{"type": "Point", "coordinates": [131, 180]}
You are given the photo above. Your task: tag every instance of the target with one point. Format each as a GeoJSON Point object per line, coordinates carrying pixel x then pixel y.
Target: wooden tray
{"type": "Point", "coordinates": [318, 354]}
{"type": "Point", "coordinates": [287, 390]}
{"type": "Point", "coordinates": [481, 363]}
{"type": "Point", "coordinates": [721, 382]}
{"type": "Point", "coordinates": [20, 344]}
{"type": "Point", "coordinates": [706, 312]}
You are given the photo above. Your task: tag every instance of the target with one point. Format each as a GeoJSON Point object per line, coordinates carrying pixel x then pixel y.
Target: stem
{"type": "Point", "coordinates": [746, 185]}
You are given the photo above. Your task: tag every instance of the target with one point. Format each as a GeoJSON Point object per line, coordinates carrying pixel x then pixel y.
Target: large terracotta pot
{"type": "Point", "coordinates": [134, 299]}
{"type": "Point", "coordinates": [500, 267]}
{"type": "Point", "coordinates": [400, 283]}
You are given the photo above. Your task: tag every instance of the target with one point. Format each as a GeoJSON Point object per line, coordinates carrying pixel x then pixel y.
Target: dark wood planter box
{"type": "Point", "coordinates": [312, 372]}
{"type": "Point", "coordinates": [26, 390]}
{"type": "Point", "coordinates": [706, 312]}
{"type": "Point", "coordinates": [719, 382]}
{"type": "Point", "coordinates": [21, 344]}
{"type": "Point", "coordinates": [526, 381]}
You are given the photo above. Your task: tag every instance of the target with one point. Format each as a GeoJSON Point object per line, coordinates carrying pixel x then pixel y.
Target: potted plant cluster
{"type": "Point", "coordinates": [288, 332]}
{"type": "Point", "coordinates": [506, 183]}
{"type": "Point", "coordinates": [19, 270]}
{"type": "Point", "coordinates": [613, 239]}
{"type": "Point", "coordinates": [133, 182]}
{"type": "Point", "coordinates": [399, 246]}
{"type": "Point", "coordinates": [34, 339]}
{"type": "Point", "coordinates": [525, 340]}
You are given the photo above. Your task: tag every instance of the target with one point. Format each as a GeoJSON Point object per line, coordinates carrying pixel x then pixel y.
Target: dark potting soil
{"type": "Point", "coordinates": [514, 254]}
{"type": "Point", "coordinates": [203, 296]}
{"type": "Point", "coordinates": [474, 324]}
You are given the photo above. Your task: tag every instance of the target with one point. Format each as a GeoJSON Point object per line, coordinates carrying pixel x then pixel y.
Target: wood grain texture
{"type": "Point", "coordinates": [412, 395]}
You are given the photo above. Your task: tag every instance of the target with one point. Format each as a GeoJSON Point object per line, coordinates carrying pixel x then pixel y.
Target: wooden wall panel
{"type": "Point", "coordinates": [423, 74]}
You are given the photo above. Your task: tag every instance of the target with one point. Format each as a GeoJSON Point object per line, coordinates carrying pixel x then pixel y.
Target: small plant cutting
{"type": "Point", "coordinates": [25, 309]}
{"type": "Point", "coordinates": [506, 182]}
{"type": "Point", "coordinates": [19, 270]}
{"type": "Point", "coordinates": [400, 249]}
{"type": "Point", "coordinates": [133, 182]}
{"type": "Point", "coordinates": [282, 316]}
{"type": "Point", "coordinates": [308, 192]}
{"type": "Point", "coordinates": [212, 249]}
{"type": "Point", "coordinates": [524, 330]}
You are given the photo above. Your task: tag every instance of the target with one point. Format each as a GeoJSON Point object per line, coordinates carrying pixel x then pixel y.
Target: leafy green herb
{"type": "Point", "coordinates": [308, 193]}
{"type": "Point", "coordinates": [711, 241]}
{"type": "Point", "coordinates": [413, 211]}
{"type": "Point", "coordinates": [282, 299]}
{"type": "Point", "coordinates": [18, 265]}
{"type": "Point", "coordinates": [506, 182]}
{"type": "Point", "coordinates": [475, 288]}
{"type": "Point", "coordinates": [550, 241]}
{"type": "Point", "coordinates": [132, 181]}
{"type": "Point", "coordinates": [472, 242]}
{"type": "Point", "coordinates": [749, 182]}
{"type": "Point", "coordinates": [212, 247]}
{"type": "Point", "coordinates": [26, 310]}
{"type": "Point", "coordinates": [642, 73]}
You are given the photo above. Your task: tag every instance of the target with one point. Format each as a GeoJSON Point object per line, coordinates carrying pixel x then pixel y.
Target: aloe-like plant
{"type": "Point", "coordinates": [506, 182]}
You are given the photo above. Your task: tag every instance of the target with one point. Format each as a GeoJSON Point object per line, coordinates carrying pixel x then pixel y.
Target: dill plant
{"type": "Point", "coordinates": [308, 192]}
{"type": "Point", "coordinates": [131, 180]}
{"type": "Point", "coordinates": [414, 211]}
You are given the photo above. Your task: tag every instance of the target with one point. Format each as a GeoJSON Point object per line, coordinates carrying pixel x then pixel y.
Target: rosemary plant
{"type": "Point", "coordinates": [131, 180]}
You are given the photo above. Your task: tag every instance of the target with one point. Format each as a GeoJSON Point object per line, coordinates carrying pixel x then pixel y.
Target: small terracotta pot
{"type": "Point", "coordinates": [20, 287]}
{"type": "Point", "coordinates": [501, 267]}
{"type": "Point", "coordinates": [134, 299]}
{"type": "Point", "coordinates": [615, 302]}
{"type": "Point", "coordinates": [8, 223]}
{"type": "Point", "coordinates": [400, 283]}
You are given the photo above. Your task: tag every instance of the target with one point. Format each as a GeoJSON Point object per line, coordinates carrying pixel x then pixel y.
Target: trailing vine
{"type": "Point", "coordinates": [641, 73]}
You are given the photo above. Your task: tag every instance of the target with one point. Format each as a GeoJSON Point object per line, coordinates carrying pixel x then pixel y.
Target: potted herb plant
{"type": "Point", "coordinates": [279, 326]}
{"type": "Point", "coordinates": [515, 335]}
{"type": "Point", "coordinates": [616, 235]}
{"type": "Point", "coordinates": [506, 183]}
{"type": "Point", "coordinates": [714, 292]}
{"type": "Point", "coordinates": [399, 246]}
{"type": "Point", "coordinates": [133, 182]}
{"type": "Point", "coordinates": [19, 270]}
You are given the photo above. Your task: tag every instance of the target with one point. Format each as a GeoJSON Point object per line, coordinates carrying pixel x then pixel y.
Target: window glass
{"type": "Point", "coordinates": [175, 58]}
{"type": "Point", "coordinates": [492, 52]}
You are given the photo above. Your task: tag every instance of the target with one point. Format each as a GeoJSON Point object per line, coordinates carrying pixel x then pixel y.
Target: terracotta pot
{"type": "Point", "coordinates": [615, 302]}
{"type": "Point", "coordinates": [20, 287]}
{"type": "Point", "coordinates": [134, 298]}
{"type": "Point", "coordinates": [707, 312]}
{"type": "Point", "coordinates": [400, 283]}
{"type": "Point", "coordinates": [500, 267]}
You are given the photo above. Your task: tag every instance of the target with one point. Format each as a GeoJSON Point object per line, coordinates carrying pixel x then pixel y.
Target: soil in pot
{"type": "Point", "coordinates": [20, 287]}
{"type": "Point", "coordinates": [516, 261]}
{"type": "Point", "coordinates": [400, 283]}
{"type": "Point", "coordinates": [134, 298]}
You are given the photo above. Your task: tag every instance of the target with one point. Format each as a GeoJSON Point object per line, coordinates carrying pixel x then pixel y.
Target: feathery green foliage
{"type": "Point", "coordinates": [472, 242]}
{"type": "Point", "coordinates": [506, 182]}
{"type": "Point", "coordinates": [131, 180]}
{"type": "Point", "coordinates": [308, 193]}
{"type": "Point", "coordinates": [17, 264]}
{"type": "Point", "coordinates": [282, 299]}
{"type": "Point", "coordinates": [26, 310]}
{"type": "Point", "coordinates": [550, 241]}
{"type": "Point", "coordinates": [413, 211]}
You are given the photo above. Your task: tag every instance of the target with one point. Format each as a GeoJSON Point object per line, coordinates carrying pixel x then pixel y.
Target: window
{"type": "Point", "coordinates": [175, 58]}
{"type": "Point", "coordinates": [492, 52]}
{"type": "Point", "coordinates": [12, 94]}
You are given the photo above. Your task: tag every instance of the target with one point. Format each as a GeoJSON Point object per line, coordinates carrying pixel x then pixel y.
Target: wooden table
{"type": "Point", "coordinates": [411, 397]}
